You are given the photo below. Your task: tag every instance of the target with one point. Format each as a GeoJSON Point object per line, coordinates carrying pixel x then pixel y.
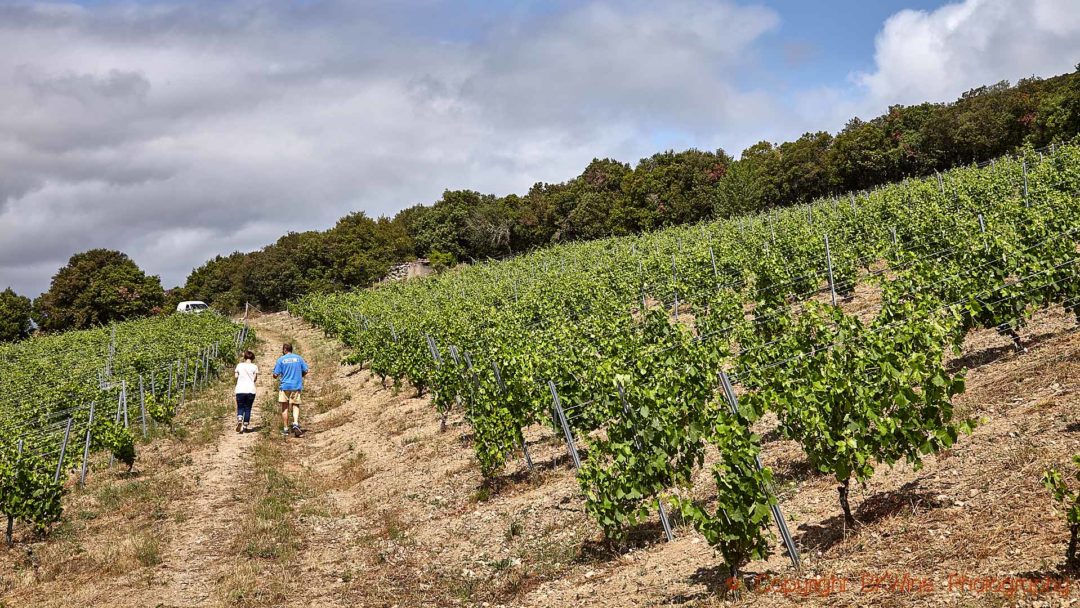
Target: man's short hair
{"type": "Point", "coordinates": [286, 347]}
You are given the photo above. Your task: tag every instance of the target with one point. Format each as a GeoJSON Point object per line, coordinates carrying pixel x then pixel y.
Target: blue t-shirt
{"type": "Point", "coordinates": [290, 368]}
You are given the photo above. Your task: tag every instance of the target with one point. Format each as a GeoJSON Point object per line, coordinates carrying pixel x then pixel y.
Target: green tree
{"type": "Point", "coordinates": [1058, 117]}
{"type": "Point", "coordinates": [672, 188]}
{"type": "Point", "coordinates": [443, 227]}
{"type": "Point", "coordinates": [14, 315]}
{"type": "Point", "coordinates": [224, 282]}
{"type": "Point", "coordinates": [988, 122]}
{"type": "Point", "coordinates": [590, 199]}
{"type": "Point", "coordinates": [804, 169]}
{"type": "Point", "coordinates": [860, 155]}
{"type": "Point", "coordinates": [361, 250]}
{"type": "Point", "coordinates": [489, 227]}
{"type": "Point", "coordinates": [742, 190]}
{"type": "Point", "coordinates": [98, 287]}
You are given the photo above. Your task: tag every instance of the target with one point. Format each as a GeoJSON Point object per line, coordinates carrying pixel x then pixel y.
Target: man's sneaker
{"type": "Point", "coordinates": [297, 431]}
{"type": "Point", "coordinates": [284, 433]}
{"type": "Point", "coordinates": [239, 426]}
{"type": "Point", "coordinates": [245, 429]}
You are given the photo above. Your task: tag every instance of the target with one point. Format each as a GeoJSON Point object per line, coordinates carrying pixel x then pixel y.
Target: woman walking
{"type": "Point", "coordinates": [246, 374]}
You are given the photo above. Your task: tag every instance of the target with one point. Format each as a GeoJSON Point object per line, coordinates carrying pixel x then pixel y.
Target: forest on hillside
{"type": "Point", "coordinates": [614, 198]}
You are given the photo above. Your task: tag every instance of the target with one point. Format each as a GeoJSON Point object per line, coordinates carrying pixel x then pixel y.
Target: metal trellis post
{"type": "Point", "coordinates": [1027, 202]}
{"type": "Point", "coordinates": [561, 419]}
{"type": "Point", "coordinates": [828, 260]}
{"type": "Point", "coordinates": [142, 405]}
{"type": "Point", "coordinates": [86, 447]}
{"type": "Point", "coordinates": [63, 450]}
{"type": "Point", "coordinates": [778, 515]}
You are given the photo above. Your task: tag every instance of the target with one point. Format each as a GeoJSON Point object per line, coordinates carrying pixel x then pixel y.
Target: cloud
{"type": "Point", "coordinates": [623, 64]}
{"type": "Point", "coordinates": [931, 56]}
{"type": "Point", "coordinates": [176, 131]}
{"type": "Point", "coordinates": [937, 55]}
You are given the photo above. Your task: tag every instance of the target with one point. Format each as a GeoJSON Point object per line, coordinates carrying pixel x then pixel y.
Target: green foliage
{"type": "Point", "coordinates": [15, 313]}
{"type": "Point", "coordinates": [27, 490]}
{"type": "Point", "coordinates": [1054, 481]}
{"type": "Point", "coordinates": [656, 436]}
{"type": "Point", "coordinates": [737, 523]}
{"type": "Point", "coordinates": [856, 395]}
{"type": "Point", "coordinates": [160, 408]}
{"type": "Point", "coordinates": [441, 261]}
{"type": "Point", "coordinates": [98, 287]}
{"type": "Point", "coordinates": [112, 436]}
{"type": "Point", "coordinates": [856, 390]}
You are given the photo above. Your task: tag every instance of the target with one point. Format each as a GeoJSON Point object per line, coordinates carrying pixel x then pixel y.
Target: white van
{"type": "Point", "coordinates": [192, 306]}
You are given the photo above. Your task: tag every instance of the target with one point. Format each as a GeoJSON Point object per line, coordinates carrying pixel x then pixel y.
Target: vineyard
{"type": "Point", "coordinates": [67, 396]}
{"type": "Point", "coordinates": [643, 353]}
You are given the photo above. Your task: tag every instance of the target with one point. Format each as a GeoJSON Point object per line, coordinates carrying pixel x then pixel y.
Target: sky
{"type": "Point", "coordinates": [177, 130]}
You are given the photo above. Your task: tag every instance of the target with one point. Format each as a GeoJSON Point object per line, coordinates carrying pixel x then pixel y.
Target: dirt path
{"type": "Point", "coordinates": [200, 552]}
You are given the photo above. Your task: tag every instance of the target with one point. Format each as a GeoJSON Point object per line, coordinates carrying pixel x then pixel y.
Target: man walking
{"type": "Point", "coordinates": [290, 370]}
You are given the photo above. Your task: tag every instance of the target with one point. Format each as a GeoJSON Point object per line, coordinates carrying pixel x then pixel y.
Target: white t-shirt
{"type": "Point", "coordinates": [245, 378]}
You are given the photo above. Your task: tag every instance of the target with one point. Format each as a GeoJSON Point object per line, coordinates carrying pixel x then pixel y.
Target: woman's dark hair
{"type": "Point", "coordinates": [249, 356]}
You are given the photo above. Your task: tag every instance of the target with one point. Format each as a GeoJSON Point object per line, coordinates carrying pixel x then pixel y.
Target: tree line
{"type": "Point", "coordinates": [609, 198]}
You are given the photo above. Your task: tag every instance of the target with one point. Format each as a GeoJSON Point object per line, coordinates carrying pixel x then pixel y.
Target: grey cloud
{"type": "Point", "coordinates": [87, 88]}
{"type": "Point", "coordinates": [603, 62]}
{"type": "Point", "coordinates": [177, 131]}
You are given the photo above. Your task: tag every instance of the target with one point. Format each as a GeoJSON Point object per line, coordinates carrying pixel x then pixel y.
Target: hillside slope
{"type": "Point", "coordinates": [377, 507]}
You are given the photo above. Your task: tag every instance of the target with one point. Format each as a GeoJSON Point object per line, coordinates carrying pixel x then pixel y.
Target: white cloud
{"type": "Point", "coordinates": [933, 56]}
{"type": "Point", "coordinates": [176, 131]}
{"type": "Point", "coordinates": [937, 55]}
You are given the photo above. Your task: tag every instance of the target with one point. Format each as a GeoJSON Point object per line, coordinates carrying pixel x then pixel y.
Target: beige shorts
{"type": "Point", "coordinates": [289, 397]}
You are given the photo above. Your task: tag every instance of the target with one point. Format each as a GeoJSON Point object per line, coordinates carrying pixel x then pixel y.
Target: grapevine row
{"type": "Point", "coordinates": [630, 335]}
{"type": "Point", "coordinates": [65, 397]}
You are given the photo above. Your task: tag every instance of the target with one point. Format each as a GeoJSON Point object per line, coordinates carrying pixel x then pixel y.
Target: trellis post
{"type": "Point", "coordinates": [778, 516]}
{"type": "Point", "coordinates": [828, 260]}
{"type": "Point", "coordinates": [86, 447]}
{"type": "Point", "coordinates": [63, 450]}
{"type": "Point", "coordinates": [1027, 202]}
{"type": "Point", "coordinates": [142, 405]}
{"type": "Point", "coordinates": [560, 417]}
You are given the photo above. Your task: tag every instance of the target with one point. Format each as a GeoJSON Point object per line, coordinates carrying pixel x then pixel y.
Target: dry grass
{"type": "Point", "coordinates": [353, 471]}
{"type": "Point", "coordinates": [335, 420]}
